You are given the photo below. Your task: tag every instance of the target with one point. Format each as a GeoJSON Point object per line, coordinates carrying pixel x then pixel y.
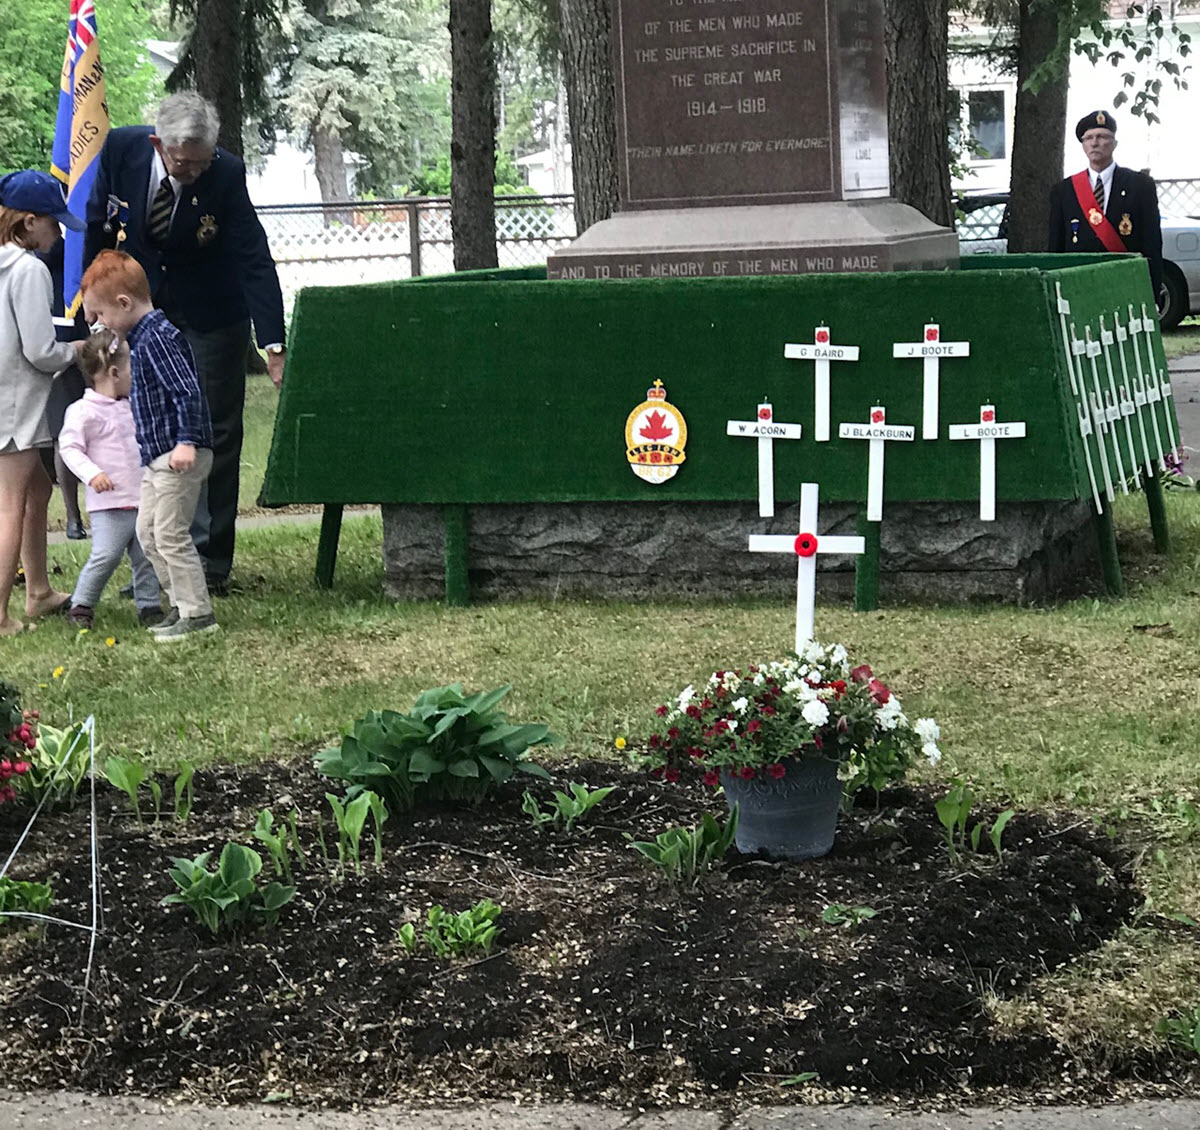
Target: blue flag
{"type": "Point", "coordinates": [79, 133]}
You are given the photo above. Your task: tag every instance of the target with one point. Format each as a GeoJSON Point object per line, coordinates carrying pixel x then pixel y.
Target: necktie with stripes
{"type": "Point", "coordinates": [1099, 191]}
{"type": "Point", "coordinates": [159, 222]}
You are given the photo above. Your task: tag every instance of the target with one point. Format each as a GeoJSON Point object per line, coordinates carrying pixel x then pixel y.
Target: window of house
{"type": "Point", "coordinates": [986, 121]}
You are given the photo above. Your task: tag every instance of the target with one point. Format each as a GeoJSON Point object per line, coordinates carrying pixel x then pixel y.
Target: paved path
{"type": "Point", "coordinates": [1185, 380]}
{"type": "Point", "coordinates": [67, 1111]}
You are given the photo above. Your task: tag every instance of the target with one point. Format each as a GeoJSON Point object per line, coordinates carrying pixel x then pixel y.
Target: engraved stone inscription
{"type": "Point", "coordinates": [726, 101]}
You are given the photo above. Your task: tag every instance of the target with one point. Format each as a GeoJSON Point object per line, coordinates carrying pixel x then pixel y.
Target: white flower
{"type": "Point", "coordinates": [815, 713]}
{"type": "Point", "coordinates": [889, 715]}
{"type": "Point", "coordinates": [814, 677]}
{"type": "Point", "coordinates": [794, 686]}
{"type": "Point", "coordinates": [686, 695]}
{"type": "Point", "coordinates": [838, 656]}
{"type": "Point", "coordinates": [932, 752]}
{"type": "Point", "coordinates": [927, 730]}
{"type": "Point", "coordinates": [814, 652]}
{"type": "Point", "coordinates": [740, 704]}
{"type": "Point", "coordinates": [730, 725]}
{"type": "Point", "coordinates": [759, 679]}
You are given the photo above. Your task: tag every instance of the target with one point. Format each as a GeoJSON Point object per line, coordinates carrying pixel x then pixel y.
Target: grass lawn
{"type": "Point", "coordinates": [1183, 340]}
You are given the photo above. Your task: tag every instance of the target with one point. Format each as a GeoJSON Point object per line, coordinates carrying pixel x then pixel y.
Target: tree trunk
{"type": "Point", "coordinates": [1038, 130]}
{"type": "Point", "coordinates": [216, 49]}
{"type": "Point", "coordinates": [473, 135]}
{"type": "Point", "coordinates": [329, 160]}
{"type": "Point", "coordinates": [591, 108]}
{"type": "Point", "coordinates": [917, 34]}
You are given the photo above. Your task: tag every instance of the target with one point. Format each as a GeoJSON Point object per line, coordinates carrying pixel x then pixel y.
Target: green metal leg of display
{"type": "Point", "coordinates": [458, 585]}
{"type": "Point", "coordinates": [1158, 509]}
{"type": "Point", "coordinates": [866, 566]}
{"type": "Point", "coordinates": [327, 546]}
{"type": "Point", "coordinates": [1110, 563]}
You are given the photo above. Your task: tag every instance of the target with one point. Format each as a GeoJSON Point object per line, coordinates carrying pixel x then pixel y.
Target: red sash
{"type": "Point", "coordinates": [1105, 232]}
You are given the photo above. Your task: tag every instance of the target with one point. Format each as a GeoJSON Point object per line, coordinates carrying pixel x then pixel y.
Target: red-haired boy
{"type": "Point", "coordinates": [174, 434]}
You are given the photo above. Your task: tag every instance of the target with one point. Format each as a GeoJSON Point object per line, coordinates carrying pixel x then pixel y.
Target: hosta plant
{"type": "Point", "coordinates": [18, 896]}
{"type": "Point", "coordinates": [566, 809]}
{"type": "Point", "coordinates": [469, 933]}
{"type": "Point", "coordinates": [229, 896]}
{"type": "Point", "coordinates": [748, 721]}
{"type": "Point", "coordinates": [450, 746]}
{"type": "Point", "coordinates": [682, 855]}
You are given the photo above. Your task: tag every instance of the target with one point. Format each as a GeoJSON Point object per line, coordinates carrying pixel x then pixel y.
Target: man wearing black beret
{"type": "Point", "coordinates": [1106, 207]}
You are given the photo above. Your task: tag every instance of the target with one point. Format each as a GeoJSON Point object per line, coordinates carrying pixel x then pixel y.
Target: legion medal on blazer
{"type": "Point", "coordinates": [116, 213]}
{"type": "Point", "coordinates": [1125, 227]}
{"type": "Point", "coordinates": [207, 231]}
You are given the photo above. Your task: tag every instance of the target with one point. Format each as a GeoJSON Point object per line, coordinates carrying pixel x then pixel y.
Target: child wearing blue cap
{"type": "Point", "coordinates": [31, 208]}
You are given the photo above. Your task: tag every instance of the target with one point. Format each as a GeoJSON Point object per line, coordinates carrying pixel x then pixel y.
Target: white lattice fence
{"type": "Point", "coordinates": [373, 241]}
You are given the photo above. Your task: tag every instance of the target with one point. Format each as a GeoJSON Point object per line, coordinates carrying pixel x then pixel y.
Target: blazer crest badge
{"type": "Point", "coordinates": [207, 231]}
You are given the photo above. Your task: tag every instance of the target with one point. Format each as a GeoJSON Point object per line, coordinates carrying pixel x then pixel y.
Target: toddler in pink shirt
{"type": "Point", "coordinates": [98, 444]}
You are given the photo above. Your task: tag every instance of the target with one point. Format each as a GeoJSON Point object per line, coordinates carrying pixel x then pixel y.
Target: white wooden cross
{"type": "Point", "coordinates": [1091, 412]}
{"type": "Point", "coordinates": [987, 431]}
{"type": "Point", "coordinates": [878, 431]}
{"type": "Point", "coordinates": [821, 352]}
{"type": "Point", "coordinates": [1085, 430]}
{"type": "Point", "coordinates": [1132, 393]}
{"type": "Point", "coordinates": [932, 349]}
{"type": "Point", "coordinates": [1107, 414]}
{"type": "Point", "coordinates": [768, 431]}
{"type": "Point", "coordinates": [1064, 308]}
{"type": "Point", "coordinates": [1164, 383]}
{"type": "Point", "coordinates": [806, 546]}
{"type": "Point", "coordinates": [1123, 403]}
{"type": "Point", "coordinates": [1147, 389]}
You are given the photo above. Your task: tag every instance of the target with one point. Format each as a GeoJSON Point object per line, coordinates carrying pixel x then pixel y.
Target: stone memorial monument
{"type": "Point", "coordinates": [752, 140]}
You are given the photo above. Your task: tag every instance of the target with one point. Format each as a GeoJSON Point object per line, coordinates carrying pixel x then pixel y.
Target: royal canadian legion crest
{"type": "Point", "coordinates": [655, 436]}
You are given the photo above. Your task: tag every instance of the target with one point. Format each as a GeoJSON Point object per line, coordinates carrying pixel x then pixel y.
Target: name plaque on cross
{"type": "Point", "coordinates": [766, 429]}
{"type": "Point", "coordinates": [1120, 407]}
{"type": "Point", "coordinates": [987, 431]}
{"type": "Point", "coordinates": [806, 545]}
{"type": "Point", "coordinates": [821, 353]}
{"type": "Point", "coordinates": [877, 431]}
{"type": "Point", "coordinates": [931, 349]}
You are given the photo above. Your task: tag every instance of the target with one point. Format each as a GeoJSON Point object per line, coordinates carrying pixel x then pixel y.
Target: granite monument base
{"type": "Point", "coordinates": [764, 239]}
{"type": "Point", "coordinates": [931, 551]}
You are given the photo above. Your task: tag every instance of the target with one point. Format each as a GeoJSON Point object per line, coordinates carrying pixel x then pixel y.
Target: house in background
{"type": "Point", "coordinates": [985, 100]}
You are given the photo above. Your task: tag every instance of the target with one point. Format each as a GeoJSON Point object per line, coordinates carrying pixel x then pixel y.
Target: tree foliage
{"type": "Point", "coordinates": [374, 75]}
{"type": "Point", "coordinates": [33, 36]}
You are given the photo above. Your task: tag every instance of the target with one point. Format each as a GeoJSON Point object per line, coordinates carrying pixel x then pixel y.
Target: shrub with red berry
{"type": "Point", "coordinates": [751, 721]}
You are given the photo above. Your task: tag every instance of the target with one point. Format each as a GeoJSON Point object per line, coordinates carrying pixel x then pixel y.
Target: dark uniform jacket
{"type": "Point", "coordinates": [216, 268]}
{"type": "Point", "coordinates": [1131, 207]}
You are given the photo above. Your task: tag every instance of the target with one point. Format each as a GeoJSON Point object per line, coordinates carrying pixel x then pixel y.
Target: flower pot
{"type": "Point", "coordinates": [794, 817]}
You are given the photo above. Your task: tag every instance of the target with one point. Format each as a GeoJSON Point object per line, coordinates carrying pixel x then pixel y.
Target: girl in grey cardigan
{"type": "Point", "coordinates": [31, 208]}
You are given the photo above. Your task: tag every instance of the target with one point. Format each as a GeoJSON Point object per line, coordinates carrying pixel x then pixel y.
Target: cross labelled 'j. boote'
{"type": "Point", "coordinates": [878, 432]}
{"type": "Point", "coordinates": [987, 431]}
{"type": "Point", "coordinates": [931, 349]}
{"type": "Point", "coordinates": [821, 352]}
{"type": "Point", "coordinates": [767, 430]}
{"type": "Point", "coordinates": [806, 545]}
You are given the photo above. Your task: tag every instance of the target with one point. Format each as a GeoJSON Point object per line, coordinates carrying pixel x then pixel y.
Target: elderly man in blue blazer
{"type": "Point", "coordinates": [176, 202]}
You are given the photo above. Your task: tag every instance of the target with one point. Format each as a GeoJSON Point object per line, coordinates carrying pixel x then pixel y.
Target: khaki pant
{"type": "Point", "coordinates": [165, 514]}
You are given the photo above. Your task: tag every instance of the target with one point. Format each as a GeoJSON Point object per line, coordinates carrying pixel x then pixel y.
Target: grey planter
{"type": "Point", "coordinates": [794, 817]}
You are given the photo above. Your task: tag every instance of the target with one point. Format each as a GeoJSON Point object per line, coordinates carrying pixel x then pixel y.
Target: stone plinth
{"type": "Point", "coordinates": [931, 551]}
{"type": "Point", "coordinates": [764, 239]}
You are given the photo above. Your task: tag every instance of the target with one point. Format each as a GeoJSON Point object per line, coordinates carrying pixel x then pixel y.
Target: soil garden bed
{"type": "Point", "coordinates": [606, 985]}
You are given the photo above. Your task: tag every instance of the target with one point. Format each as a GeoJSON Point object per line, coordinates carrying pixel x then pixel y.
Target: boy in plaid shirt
{"type": "Point", "coordinates": [174, 434]}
